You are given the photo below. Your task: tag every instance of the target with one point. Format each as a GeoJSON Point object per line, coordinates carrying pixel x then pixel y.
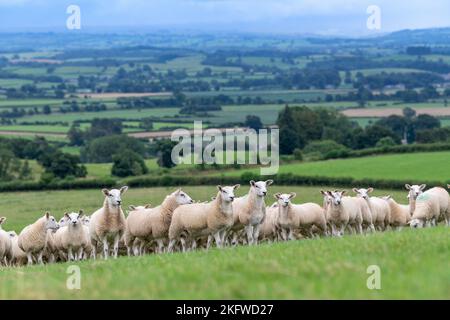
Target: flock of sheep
{"type": "Point", "coordinates": [180, 224]}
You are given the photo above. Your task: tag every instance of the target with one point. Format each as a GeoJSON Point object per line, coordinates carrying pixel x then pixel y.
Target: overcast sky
{"type": "Point", "coordinates": [337, 17]}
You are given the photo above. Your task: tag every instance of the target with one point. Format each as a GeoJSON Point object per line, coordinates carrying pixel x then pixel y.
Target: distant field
{"type": "Point", "coordinates": [385, 112]}
{"type": "Point", "coordinates": [292, 270]}
{"type": "Point", "coordinates": [414, 167]}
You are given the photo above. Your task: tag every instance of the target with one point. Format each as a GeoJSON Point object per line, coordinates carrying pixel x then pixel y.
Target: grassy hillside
{"type": "Point", "coordinates": [432, 166]}
{"type": "Point", "coordinates": [328, 268]}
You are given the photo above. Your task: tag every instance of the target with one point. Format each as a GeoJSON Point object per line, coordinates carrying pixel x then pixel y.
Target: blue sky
{"type": "Point", "coordinates": [329, 17]}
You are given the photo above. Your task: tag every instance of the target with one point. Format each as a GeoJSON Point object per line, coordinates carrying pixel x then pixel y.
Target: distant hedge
{"type": "Point", "coordinates": [57, 185]}
{"type": "Point", "coordinates": [409, 148]}
{"type": "Point", "coordinates": [281, 179]}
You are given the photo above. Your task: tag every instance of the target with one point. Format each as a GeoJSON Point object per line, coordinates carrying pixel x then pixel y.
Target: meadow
{"type": "Point", "coordinates": [326, 268]}
{"type": "Point", "coordinates": [431, 166]}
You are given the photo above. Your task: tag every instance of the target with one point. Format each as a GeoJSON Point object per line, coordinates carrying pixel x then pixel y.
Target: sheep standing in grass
{"type": "Point", "coordinates": [32, 239]}
{"type": "Point", "coordinates": [5, 244]}
{"type": "Point", "coordinates": [380, 209]}
{"type": "Point", "coordinates": [343, 212]}
{"type": "Point", "coordinates": [153, 224]}
{"type": "Point", "coordinates": [400, 213]}
{"type": "Point", "coordinates": [249, 212]}
{"type": "Point", "coordinates": [431, 206]}
{"type": "Point", "coordinates": [270, 229]}
{"type": "Point", "coordinates": [72, 239]}
{"type": "Point", "coordinates": [299, 217]}
{"type": "Point", "coordinates": [201, 220]}
{"type": "Point", "coordinates": [413, 192]}
{"type": "Point", "coordinates": [18, 256]}
{"type": "Point", "coordinates": [108, 223]}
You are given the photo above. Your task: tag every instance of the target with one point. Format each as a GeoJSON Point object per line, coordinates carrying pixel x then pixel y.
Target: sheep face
{"type": "Point", "coordinates": [260, 187]}
{"type": "Point", "coordinates": [50, 222]}
{"type": "Point", "coordinates": [416, 223]}
{"type": "Point", "coordinates": [227, 193]}
{"type": "Point", "coordinates": [114, 196]}
{"type": "Point", "coordinates": [182, 197]}
{"type": "Point", "coordinates": [62, 222]}
{"type": "Point", "coordinates": [336, 197]}
{"type": "Point", "coordinates": [74, 219]}
{"type": "Point", "coordinates": [415, 190]}
{"type": "Point", "coordinates": [363, 193]}
{"type": "Point", "coordinates": [326, 198]}
{"type": "Point", "coordinates": [285, 199]}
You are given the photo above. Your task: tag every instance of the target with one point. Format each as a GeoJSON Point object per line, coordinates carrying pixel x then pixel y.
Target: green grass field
{"type": "Point", "coordinates": [306, 269]}
{"type": "Point", "coordinates": [432, 166]}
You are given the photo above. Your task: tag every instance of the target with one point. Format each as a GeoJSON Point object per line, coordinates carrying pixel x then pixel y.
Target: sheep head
{"type": "Point", "coordinates": [182, 197]}
{"type": "Point", "coordinates": [284, 199]}
{"type": "Point", "coordinates": [336, 197]}
{"type": "Point", "coordinates": [260, 187]}
{"type": "Point", "coordinates": [50, 222]}
{"type": "Point", "coordinates": [114, 196]}
{"type": "Point", "coordinates": [227, 193]}
{"type": "Point", "coordinates": [363, 193]}
{"type": "Point", "coordinates": [415, 190]}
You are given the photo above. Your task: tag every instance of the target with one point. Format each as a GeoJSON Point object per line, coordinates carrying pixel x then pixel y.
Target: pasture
{"type": "Point", "coordinates": [324, 268]}
{"type": "Point", "coordinates": [425, 166]}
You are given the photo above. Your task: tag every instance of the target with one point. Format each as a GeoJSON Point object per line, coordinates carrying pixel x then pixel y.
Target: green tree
{"type": "Point", "coordinates": [253, 122]}
{"type": "Point", "coordinates": [62, 165]}
{"type": "Point", "coordinates": [128, 163]}
{"type": "Point", "coordinates": [164, 153]}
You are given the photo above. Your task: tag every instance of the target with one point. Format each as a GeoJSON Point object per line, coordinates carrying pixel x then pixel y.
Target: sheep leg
{"type": "Point", "coordinates": [249, 231]}
{"type": "Point", "coordinates": [218, 239]}
{"type": "Point", "coordinates": [80, 253]}
{"type": "Point", "coordinates": [105, 248]}
{"type": "Point", "coordinates": [194, 245]}
{"type": "Point", "coordinates": [183, 244]}
{"type": "Point", "coordinates": [160, 243]}
{"type": "Point", "coordinates": [116, 245]}
{"type": "Point", "coordinates": [40, 255]}
{"type": "Point", "coordinates": [359, 228]}
{"type": "Point", "coordinates": [234, 241]}
{"type": "Point", "coordinates": [256, 233]}
{"type": "Point", "coordinates": [208, 243]}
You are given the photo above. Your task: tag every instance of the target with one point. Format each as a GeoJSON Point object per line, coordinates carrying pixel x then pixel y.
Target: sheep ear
{"type": "Point", "coordinates": [105, 192]}
{"type": "Point", "coordinates": [132, 207]}
{"type": "Point", "coordinates": [2, 220]}
{"type": "Point", "coordinates": [370, 190]}
{"type": "Point", "coordinates": [80, 213]}
{"type": "Point", "coordinates": [269, 182]}
{"type": "Point", "coordinates": [219, 187]}
{"type": "Point", "coordinates": [292, 195]}
{"type": "Point", "coordinates": [66, 214]}
{"type": "Point", "coordinates": [213, 198]}
{"type": "Point", "coordinates": [148, 205]}
{"type": "Point", "coordinates": [323, 192]}
{"type": "Point", "coordinates": [448, 186]}
{"type": "Point", "coordinates": [236, 186]}
{"type": "Point", "coordinates": [252, 183]}
{"type": "Point", "coordinates": [343, 192]}
{"type": "Point", "coordinates": [355, 190]}
{"type": "Point", "coordinates": [408, 187]}
{"type": "Point", "coordinates": [277, 195]}
{"type": "Point", "coordinates": [47, 215]}
{"type": "Point", "coordinates": [123, 189]}
{"type": "Point", "coordinates": [423, 186]}
{"type": "Point", "coordinates": [178, 191]}
{"type": "Point", "coordinates": [329, 193]}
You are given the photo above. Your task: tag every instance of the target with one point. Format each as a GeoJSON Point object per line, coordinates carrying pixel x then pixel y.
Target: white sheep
{"type": "Point", "coordinates": [201, 220]}
{"type": "Point", "coordinates": [249, 212]}
{"type": "Point", "coordinates": [380, 209]}
{"type": "Point", "coordinates": [413, 192]}
{"type": "Point", "coordinates": [342, 212]}
{"type": "Point", "coordinates": [108, 223]}
{"type": "Point", "coordinates": [5, 244]}
{"type": "Point", "coordinates": [72, 239]}
{"type": "Point", "coordinates": [400, 213]}
{"type": "Point", "coordinates": [18, 256]}
{"type": "Point", "coordinates": [299, 217]}
{"type": "Point", "coordinates": [153, 224]}
{"type": "Point", "coordinates": [431, 206]}
{"type": "Point", "coordinates": [270, 229]}
{"type": "Point", "coordinates": [32, 239]}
